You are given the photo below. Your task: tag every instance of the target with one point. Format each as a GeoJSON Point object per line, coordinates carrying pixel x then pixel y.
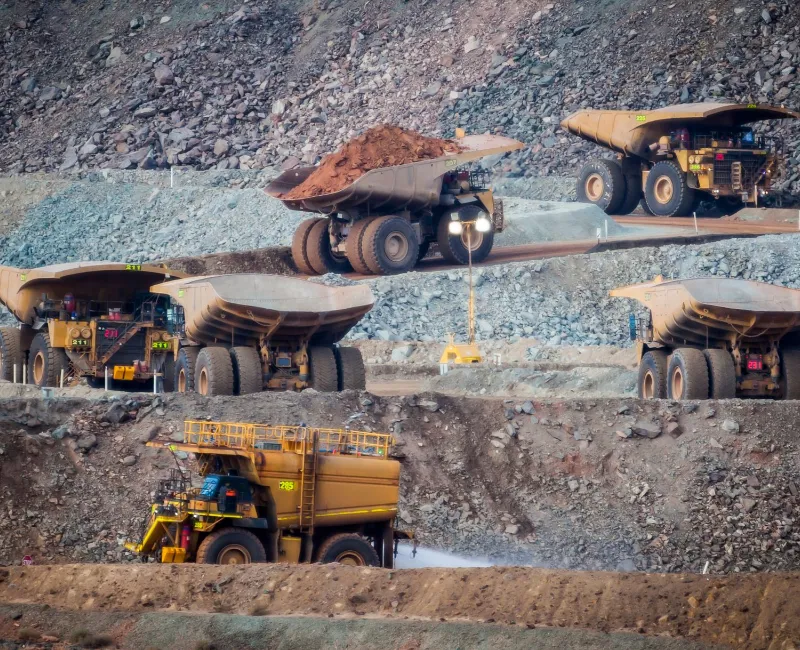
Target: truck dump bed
{"type": "Point", "coordinates": [21, 290]}
{"type": "Point", "coordinates": [704, 311]}
{"type": "Point", "coordinates": [241, 307]}
{"type": "Point", "coordinates": [415, 186]}
{"type": "Point", "coordinates": [631, 132]}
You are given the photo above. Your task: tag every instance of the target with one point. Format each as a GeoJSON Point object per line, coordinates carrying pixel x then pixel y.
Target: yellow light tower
{"type": "Point", "coordinates": [466, 352]}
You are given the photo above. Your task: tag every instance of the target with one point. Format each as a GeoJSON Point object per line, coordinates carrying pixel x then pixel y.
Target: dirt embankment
{"type": "Point", "coordinates": [557, 483]}
{"type": "Point", "coordinates": [381, 146]}
{"type": "Point", "coordinates": [744, 612]}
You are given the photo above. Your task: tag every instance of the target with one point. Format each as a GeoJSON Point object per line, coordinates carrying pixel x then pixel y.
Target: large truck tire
{"type": "Point", "coordinates": [790, 373]}
{"type": "Point", "coordinates": [633, 193]}
{"type": "Point", "coordinates": [721, 374]}
{"type": "Point", "coordinates": [318, 251]}
{"type": "Point", "coordinates": [424, 247]}
{"type": "Point", "coordinates": [184, 369]}
{"type": "Point", "coordinates": [601, 182]}
{"type": "Point", "coordinates": [10, 353]}
{"type": "Point", "coordinates": [348, 548]}
{"type": "Point", "coordinates": [645, 208]}
{"type": "Point", "coordinates": [45, 362]}
{"type": "Point", "coordinates": [300, 246]}
{"type": "Point", "coordinates": [355, 246]}
{"type": "Point", "coordinates": [324, 375]}
{"type": "Point", "coordinates": [390, 246]}
{"type": "Point", "coordinates": [687, 375]}
{"type": "Point", "coordinates": [652, 381]}
{"type": "Point", "coordinates": [213, 374]}
{"type": "Point", "coordinates": [168, 373]}
{"type": "Point", "coordinates": [454, 247]}
{"type": "Point", "coordinates": [667, 193]}
{"type": "Point", "coordinates": [248, 377]}
{"type": "Point", "coordinates": [231, 546]}
{"type": "Point", "coordinates": [351, 374]}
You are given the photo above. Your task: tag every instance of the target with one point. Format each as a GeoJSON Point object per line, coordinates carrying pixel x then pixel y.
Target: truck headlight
{"type": "Point", "coordinates": [86, 333]}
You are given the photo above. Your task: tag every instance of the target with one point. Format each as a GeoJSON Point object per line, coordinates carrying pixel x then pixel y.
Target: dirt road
{"type": "Point", "coordinates": [758, 611]}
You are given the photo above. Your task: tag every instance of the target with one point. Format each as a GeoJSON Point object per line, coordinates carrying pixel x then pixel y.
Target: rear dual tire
{"type": "Point", "coordinates": [687, 374]}
{"type": "Point", "coordinates": [10, 353]}
{"type": "Point", "coordinates": [335, 369]}
{"type": "Point", "coordinates": [311, 249]}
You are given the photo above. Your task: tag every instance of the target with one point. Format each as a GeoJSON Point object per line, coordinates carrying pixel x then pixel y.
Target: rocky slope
{"type": "Point", "coordinates": [121, 85]}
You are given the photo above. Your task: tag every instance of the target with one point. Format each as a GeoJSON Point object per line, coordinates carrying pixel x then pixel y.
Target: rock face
{"type": "Point", "coordinates": [279, 85]}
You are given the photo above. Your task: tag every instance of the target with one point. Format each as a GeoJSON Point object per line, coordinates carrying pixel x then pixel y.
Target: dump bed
{"type": "Point", "coordinates": [704, 311]}
{"type": "Point", "coordinates": [240, 307]}
{"type": "Point", "coordinates": [21, 290]}
{"type": "Point", "coordinates": [414, 186]}
{"type": "Point", "coordinates": [631, 132]}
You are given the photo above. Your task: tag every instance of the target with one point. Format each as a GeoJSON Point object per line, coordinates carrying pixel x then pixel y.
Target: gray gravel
{"type": "Point", "coordinates": [562, 301]}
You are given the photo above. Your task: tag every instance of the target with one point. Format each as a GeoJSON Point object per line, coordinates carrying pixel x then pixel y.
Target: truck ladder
{"type": "Point", "coordinates": [147, 316]}
{"type": "Point", "coordinates": [308, 482]}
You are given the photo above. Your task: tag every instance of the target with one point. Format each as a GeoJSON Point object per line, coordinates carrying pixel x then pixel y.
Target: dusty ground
{"type": "Point", "coordinates": [744, 612]}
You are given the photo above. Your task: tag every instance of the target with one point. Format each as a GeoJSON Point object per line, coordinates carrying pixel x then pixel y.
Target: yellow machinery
{"type": "Point", "coordinates": [716, 337]}
{"type": "Point", "coordinates": [277, 494]}
{"type": "Point", "coordinates": [672, 158]}
{"type": "Point", "coordinates": [81, 318]}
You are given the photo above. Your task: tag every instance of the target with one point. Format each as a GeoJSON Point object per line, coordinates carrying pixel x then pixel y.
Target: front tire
{"type": "Point", "coordinates": [454, 247]}
{"type": "Point", "coordinates": [390, 246]}
{"type": "Point", "coordinates": [214, 372]}
{"type": "Point", "coordinates": [348, 548]}
{"type": "Point", "coordinates": [602, 183]}
{"type": "Point", "coordinates": [687, 375]}
{"type": "Point", "coordinates": [667, 192]}
{"type": "Point", "coordinates": [45, 362]}
{"type": "Point", "coordinates": [652, 381]}
{"type": "Point", "coordinates": [231, 546]}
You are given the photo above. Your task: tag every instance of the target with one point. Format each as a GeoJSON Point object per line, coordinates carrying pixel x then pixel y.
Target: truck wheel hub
{"type": "Point", "coordinates": [677, 384]}
{"type": "Point", "coordinates": [182, 381]}
{"type": "Point", "coordinates": [595, 187]}
{"type": "Point", "coordinates": [350, 558]}
{"type": "Point", "coordinates": [396, 246]}
{"type": "Point", "coordinates": [648, 386]}
{"type": "Point", "coordinates": [38, 367]}
{"type": "Point", "coordinates": [202, 382]}
{"type": "Point", "coordinates": [471, 240]}
{"type": "Point", "coordinates": [664, 190]}
{"type": "Point", "coordinates": [234, 554]}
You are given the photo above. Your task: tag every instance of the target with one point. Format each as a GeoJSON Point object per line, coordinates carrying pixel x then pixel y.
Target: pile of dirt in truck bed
{"type": "Point", "coordinates": [381, 146]}
{"type": "Point", "coordinates": [746, 611]}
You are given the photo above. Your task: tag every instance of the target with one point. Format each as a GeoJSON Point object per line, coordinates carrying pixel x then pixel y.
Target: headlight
{"type": "Point", "coordinates": [455, 228]}
{"type": "Point", "coordinates": [86, 332]}
{"type": "Point", "coordinates": [166, 336]}
{"type": "Point", "coordinates": [75, 332]}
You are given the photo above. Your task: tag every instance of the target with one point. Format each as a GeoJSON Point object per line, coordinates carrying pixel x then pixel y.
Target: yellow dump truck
{"type": "Point", "coordinates": [672, 158]}
{"type": "Point", "coordinates": [79, 319]}
{"type": "Point", "coordinates": [387, 219]}
{"type": "Point", "coordinates": [716, 338]}
{"type": "Point", "coordinates": [217, 335]}
{"type": "Point", "coordinates": [277, 494]}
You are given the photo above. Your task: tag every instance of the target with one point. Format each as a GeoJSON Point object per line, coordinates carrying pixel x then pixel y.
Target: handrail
{"type": "Point", "coordinates": [250, 437]}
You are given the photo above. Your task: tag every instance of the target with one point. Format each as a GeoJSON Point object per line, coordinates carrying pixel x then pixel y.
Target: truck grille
{"type": "Point", "coordinates": [739, 171]}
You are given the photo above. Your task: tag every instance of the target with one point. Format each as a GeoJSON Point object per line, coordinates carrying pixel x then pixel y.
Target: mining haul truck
{"type": "Point", "coordinates": [671, 159]}
{"type": "Point", "coordinates": [79, 319]}
{"type": "Point", "coordinates": [277, 494]}
{"type": "Point", "coordinates": [716, 338]}
{"type": "Point", "coordinates": [386, 220]}
{"type": "Point", "coordinates": [216, 335]}
{"type": "Point", "coordinates": [247, 332]}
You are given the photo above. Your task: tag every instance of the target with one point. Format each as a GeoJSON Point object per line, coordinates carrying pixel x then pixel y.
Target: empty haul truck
{"type": "Point", "coordinates": [716, 338]}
